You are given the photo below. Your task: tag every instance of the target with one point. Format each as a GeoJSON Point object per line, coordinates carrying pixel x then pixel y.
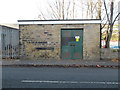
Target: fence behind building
{"type": "Point", "coordinates": [9, 42]}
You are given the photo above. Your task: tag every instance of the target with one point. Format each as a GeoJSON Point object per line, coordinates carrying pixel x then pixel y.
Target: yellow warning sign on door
{"type": "Point", "coordinates": [77, 38]}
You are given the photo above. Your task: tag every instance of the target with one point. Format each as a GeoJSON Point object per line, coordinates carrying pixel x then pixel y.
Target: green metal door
{"type": "Point", "coordinates": [72, 44]}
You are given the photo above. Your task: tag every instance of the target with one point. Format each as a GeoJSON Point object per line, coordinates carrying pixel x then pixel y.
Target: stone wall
{"type": "Point", "coordinates": [44, 41]}
{"type": "Point", "coordinates": [107, 53]}
{"type": "Point", "coordinates": [91, 41]}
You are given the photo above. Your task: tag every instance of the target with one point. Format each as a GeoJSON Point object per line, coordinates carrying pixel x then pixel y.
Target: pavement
{"type": "Point", "coordinates": [62, 63]}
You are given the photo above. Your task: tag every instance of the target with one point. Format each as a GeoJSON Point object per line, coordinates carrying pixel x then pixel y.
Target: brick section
{"type": "Point", "coordinates": [44, 41]}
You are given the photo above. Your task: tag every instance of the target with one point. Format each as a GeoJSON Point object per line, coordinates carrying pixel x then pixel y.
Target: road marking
{"type": "Point", "coordinates": [69, 82]}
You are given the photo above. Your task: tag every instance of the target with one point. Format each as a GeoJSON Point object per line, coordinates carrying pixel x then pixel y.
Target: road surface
{"type": "Point", "coordinates": [44, 77]}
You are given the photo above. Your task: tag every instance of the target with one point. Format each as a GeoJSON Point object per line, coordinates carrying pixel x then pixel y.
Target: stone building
{"type": "Point", "coordinates": [9, 42]}
{"type": "Point", "coordinates": [60, 39]}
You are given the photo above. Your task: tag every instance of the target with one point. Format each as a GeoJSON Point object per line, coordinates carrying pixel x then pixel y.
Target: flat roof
{"type": "Point", "coordinates": [67, 21]}
{"type": "Point", "coordinates": [10, 27]}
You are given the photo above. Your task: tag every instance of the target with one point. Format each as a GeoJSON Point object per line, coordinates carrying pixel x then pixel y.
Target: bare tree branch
{"type": "Point", "coordinates": [116, 18]}
{"type": "Point", "coordinates": [41, 16]}
{"type": "Point", "coordinates": [106, 11]}
{"type": "Point", "coordinates": [73, 8]}
{"type": "Point", "coordinates": [63, 16]}
{"type": "Point", "coordinates": [68, 7]}
{"type": "Point", "coordinates": [104, 25]}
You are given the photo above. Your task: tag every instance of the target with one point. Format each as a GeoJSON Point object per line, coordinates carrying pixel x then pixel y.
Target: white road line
{"type": "Point", "coordinates": [38, 81]}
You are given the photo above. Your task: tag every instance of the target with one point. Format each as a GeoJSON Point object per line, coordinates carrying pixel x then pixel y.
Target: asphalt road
{"type": "Point", "coordinates": [36, 77]}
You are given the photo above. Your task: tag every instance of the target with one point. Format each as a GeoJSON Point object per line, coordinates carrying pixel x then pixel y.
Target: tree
{"type": "Point", "coordinates": [110, 21]}
{"type": "Point", "coordinates": [99, 9]}
{"type": "Point", "coordinates": [93, 10]}
{"type": "Point", "coordinates": [59, 9]}
{"type": "Point", "coordinates": [71, 9]}
{"type": "Point", "coordinates": [119, 24]}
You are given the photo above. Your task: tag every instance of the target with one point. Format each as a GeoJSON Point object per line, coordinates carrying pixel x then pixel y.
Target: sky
{"type": "Point", "coordinates": [13, 10]}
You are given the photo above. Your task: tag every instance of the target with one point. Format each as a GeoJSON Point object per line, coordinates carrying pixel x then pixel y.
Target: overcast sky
{"type": "Point", "coordinates": [13, 10]}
